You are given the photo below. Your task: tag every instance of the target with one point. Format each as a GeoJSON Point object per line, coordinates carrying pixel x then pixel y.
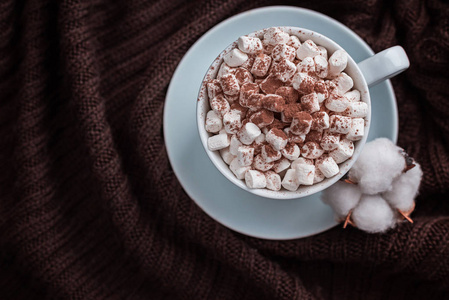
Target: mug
{"type": "Point", "coordinates": [369, 72]}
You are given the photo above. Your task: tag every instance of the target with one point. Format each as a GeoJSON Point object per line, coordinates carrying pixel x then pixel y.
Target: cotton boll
{"type": "Point", "coordinates": [404, 189]}
{"type": "Point", "coordinates": [342, 197]}
{"type": "Point", "coordinates": [377, 166]}
{"type": "Point", "coordinates": [373, 214]}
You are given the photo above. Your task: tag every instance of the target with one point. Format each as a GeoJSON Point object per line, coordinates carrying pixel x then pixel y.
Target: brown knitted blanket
{"type": "Point", "coordinates": [91, 209]}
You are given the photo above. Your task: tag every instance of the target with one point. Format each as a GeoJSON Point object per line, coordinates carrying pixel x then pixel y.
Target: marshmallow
{"type": "Point", "coordinates": [373, 214]}
{"type": "Point", "coordinates": [328, 166]}
{"type": "Point", "coordinates": [231, 99]}
{"type": "Point", "coordinates": [273, 181]}
{"type": "Point", "coordinates": [232, 121]}
{"type": "Point", "coordinates": [321, 90]}
{"type": "Point", "coordinates": [270, 84]}
{"type": "Point", "coordinates": [320, 121]}
{"type": "Point", "coordinates": [291, 151]}
{"type": "Point", "coordinates": [314, 136]}
{"type": "Point", "coordinates": [289, 94]}
{"type": "Point", "coordinates": [319, 176]}
{"type": "Point", "coordinates": [290, 110]}
{"type": "Point", "coordinates": [235, 58]}
{"type": "Point", "coordinates": [323, 51]}
{"type": "Point", "coordinates": [245, 155]}
{"type": "Point", "coordinates": [321, 66]}
{"type": "Point", "coordinates": [343, 152]}
{"type": "Point", "coordinates": [343, 83]}
{"type": "Point", "coordinates": [273, 36]}
{"type": "Point", "coordinates": [404, 189]}
{"type": "Point", "coordinates": [261, 165]}
{"type": "Point", "coordinates": [234, 145]}
{"type": "Point", "coordinates": [219, 105]}
{"type": "Point", "coordinates": [337, 63]}
{"type": "Point", "coordinates": [342, 197]}
{"type": "Point", "coordinates": [230, 84]}
{"type": "Point", "coordinates": [237, 169]}
{"type": "Point", "coordinates": [281, 165]}
{"type": "Point", "coordinates": [250, 45]}
{"type": "Point", "coordinates": [336, 103]}
{"type": "Point", "coordinates": [339, 124]}
{"type": "Point", "coordinates": [353, 96]}
{"type": "Point", "coordinates": [260, 139]}
{"type": "Point", "coordinates": [261, 65]}
{"type": "Point", "coordinates": [269, 154]}
{"type": "Point", "coordinates": [213, 122]}
{"type": "Point", "coordinates": [310, 103]}
{"type": "Point", "coordinates": [312, 150]}
{"type": "Point", "coordinates": [329, 141]}
{"type": "Point", "coordinates": [284, 70]}
{"type": "Point", "coordinates": [357, 129]}
{"type": "Point", "coordinates": [301, 161]}
{"type": "Point", "coordinates": [303, 83]}
{"type": "Point", "coordinates": [226, 155]}
{"type": "Point", "coordinates": [276, 138]}
{"type": "Point", "coordinates": [218, 142]}
{"type": "Point", "coordinates": [290, 182]}
{"type": "Point", "coordinates": [301, 123]}
{"type": "Point", "coordinates": [214, 88]}
{"type": "Point", "coordinates": [224, 70]}
{"type": "Point", "coordinates": [246, 90]}
{"type": "Point", "coordinates": [273, 102]}
{"type": "Point", "coordinates": [305, 173]}
{"type": "Point", "coordinates": [255, 179]}
{"type": "Point", "coordinates": [293, 138]}
{"type": "Point", "coordinates": [248, 133]}
{"type": "Point", "coordinates": [307, 65]}
{"type": "Point", "coordinates": [262, 118]}
{"type": "Point", "coordinates": [357, 109]}
{"type": "Point", "coordinates": [294, 42]}
{"type": "Point", "coordinates": [283, 51]}
{"type": "Point", "coordinates": [243, 76]}
{"type": "Point", "coordinates": [307, 49]}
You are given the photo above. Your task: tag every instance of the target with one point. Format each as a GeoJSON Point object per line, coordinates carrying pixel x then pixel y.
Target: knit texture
{"type": "Point", "coordinates": [90, 207]}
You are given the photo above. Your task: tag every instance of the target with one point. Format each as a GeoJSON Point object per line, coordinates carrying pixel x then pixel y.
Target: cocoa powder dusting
{"type": "Point", "coordinates": [289, 94]}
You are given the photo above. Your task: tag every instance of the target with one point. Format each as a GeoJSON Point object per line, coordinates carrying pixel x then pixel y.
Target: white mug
{"type": "Point", "coordinates": [369, 72]}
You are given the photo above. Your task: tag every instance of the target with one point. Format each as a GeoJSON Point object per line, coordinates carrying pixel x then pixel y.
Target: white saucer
{"type": "Point", "coordinates": [218, 197]}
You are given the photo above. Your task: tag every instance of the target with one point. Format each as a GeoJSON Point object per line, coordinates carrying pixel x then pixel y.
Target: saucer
{"type": "Point", "coordinates": [223, 201]}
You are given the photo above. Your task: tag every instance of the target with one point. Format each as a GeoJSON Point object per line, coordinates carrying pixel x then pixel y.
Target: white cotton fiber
{"type": "Point", "coordinates": [377, 166]}
{"type": "Point", "coordinates": [404, 189]}
{"type": "Point", "coordinates": [373, 214]}
{"type": "Point", "coordinates": [342, 197]}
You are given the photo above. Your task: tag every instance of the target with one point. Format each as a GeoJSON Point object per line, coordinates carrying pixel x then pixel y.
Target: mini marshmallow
{"type": "Point", "coordinates": [320, 121]}
{"type": "Point", "coordinates": [343, 82]}
{"type": "Point", "coordinates": [344, 151]}
{"type": "Point", "coordinates": [342, 197]}
{"type": "Point", "coordinates": [248, 133]}
{"type": "Point", "coordinates": [373, 214]}
{"type": "Point", "coordinates": [328, 166]}
{"type": "Point", "coordinates": [319, 176]}
{"type": "Point", "coordinates": [307, 49]}
{"type": "Point", "coordinates": [290, 181]}
{"type": "Point", "coordinates": [260, 139]}
{"type": "Point", "coordinates": [321, 66]}
{"type": "Point", "coordinates": [336, 103]}
{"type": "Point", "coordinates": [284, 70]}
{"type": "Point", "coordinates": [230, 84]}
{"type": "Point", "coordinates": [219, 105]}
{"type": "Point", "coordinates": [255, 179]}
{"type": "Point", "coordinates": [245, 155]}
{"type": "Point", "coordinates": [262, 118]}
{"type": "Point", "coordinates": [301, 161]}
{"type": "Point", "coordinates": [214, 88]}
{"type": "Point", "coordinates": [291, 152]}
{"type": "Point", "coordinates": [294, 42]}
{"type": "Point", "coordinates": [357, 129]}
{"type": "Point", "coordinates": [321, 90]}
{"type": "Point", "coordinates": [246, 90]}
{"type": "Point", "coordinates": [289, 94]}
{"type": "Point", "coordinates": [305, 173]}
{"type": "Point", "coordinates": [329, 141]}
{"type": "Point", "coordinates": [261, 165]}
{"type": "Point", "coordinates": [276, 138]}
{"type": "Point", "coordinates": [311, 150]}
{"type": "Point", "coordinates": [337, 63]}
{"type": "Point", "coordinates": [301, 123]}
{"type": "Point", "coordinates": [353, 96]}
{"type": "Point", "coordinates": [323, 52]}
{"type": "Point", "coordinates": [307, 65]}
{"type": "Point", "coordinates": [273, 102]}
{"type": "Point", "coordinates": [281, 165]}
{"type": "Point", "coordinates": [293, 138]}
{"type": "Point", "coordinates": [283, 51]}
{"type": "Point", "coordinates": [269, 154]}
{"type": "Point", "coordinates": [261, 65]}
{"type": "Point", "coordinates": [231, 99]}
{"type": "Point", "coordinates": [270, 84]}
{"type": "Point", "coordinates": [234, 145]}
{"type": "Point", "coordinates": [250, 45]}
{"type": "Point", "coordinates": [218, 142]}
{"type": "Point", "coordinates": [273, 36]}
{"type": "Point", "coordinates": [224, 70]}
{"type": "Point", "coordinates": [237, 169]}
{"type": "Point", "coordinates": [273, 181]}
{"type": "Point", "coordinates": [357, 109]}
{"type": "Point", "coordinates": [243, 76]}
{"type": "Point", "coordinates": [303, 83]}
{"type": "Point", "coordinates": [226, 155]}
{"type": "Point", "coordinates": [235, 58]}
{"type": "Point", "coordinates": [310, 103]}
{"type": "Point", "coordinates": [232, 121]}
{"type": "Point", "coordinates": [213, 122]}
{"type": "Point", "coordinates": [339, 124]}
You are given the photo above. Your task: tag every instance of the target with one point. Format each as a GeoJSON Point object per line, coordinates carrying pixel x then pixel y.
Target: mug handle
{"type": "Point", "coordinates": [384, 65]}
